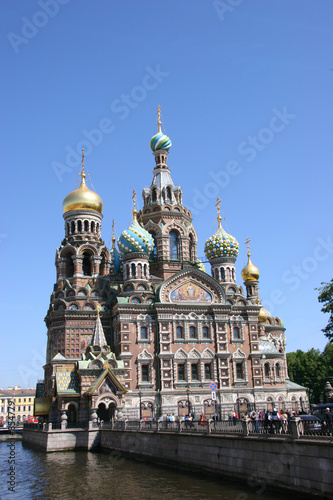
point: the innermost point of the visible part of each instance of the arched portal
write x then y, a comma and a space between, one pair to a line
106, 413
71, 414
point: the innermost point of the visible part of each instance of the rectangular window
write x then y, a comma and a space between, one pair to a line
181, 372
208, 371
236, 333
144, 333
194, 371
193, 332
179, 332
205, 332
145, 373
239, 371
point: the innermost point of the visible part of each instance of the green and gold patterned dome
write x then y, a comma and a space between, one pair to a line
221, 244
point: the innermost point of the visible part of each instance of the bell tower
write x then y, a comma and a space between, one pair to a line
83, 267
164, 215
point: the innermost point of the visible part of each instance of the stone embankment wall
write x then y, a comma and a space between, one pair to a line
62, 440
302, 465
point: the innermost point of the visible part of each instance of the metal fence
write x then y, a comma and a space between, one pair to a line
295, 427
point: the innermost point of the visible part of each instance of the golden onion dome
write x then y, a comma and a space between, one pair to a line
83, 198
262, 317
250, 271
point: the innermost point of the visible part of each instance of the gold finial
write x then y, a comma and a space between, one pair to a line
159, 118
113, 236
248, 241
83, 174
219, 218
98, 308
134, 211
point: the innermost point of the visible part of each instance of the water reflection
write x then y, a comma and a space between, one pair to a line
85, 475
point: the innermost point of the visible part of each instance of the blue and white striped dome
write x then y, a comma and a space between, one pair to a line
160, 141
135, 239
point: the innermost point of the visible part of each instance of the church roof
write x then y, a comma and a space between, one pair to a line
267, 347
98, 337
67, 383
293, 385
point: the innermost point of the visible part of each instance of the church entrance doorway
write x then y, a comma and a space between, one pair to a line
106, 413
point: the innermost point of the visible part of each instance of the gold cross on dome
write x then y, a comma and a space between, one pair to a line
248, 241
217, 204
134, 211
82, 165
159, 117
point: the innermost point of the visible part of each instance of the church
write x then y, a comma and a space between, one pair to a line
142, 330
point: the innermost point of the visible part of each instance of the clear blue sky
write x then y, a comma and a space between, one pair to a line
246, 95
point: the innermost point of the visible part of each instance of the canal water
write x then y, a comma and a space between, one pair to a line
87, 475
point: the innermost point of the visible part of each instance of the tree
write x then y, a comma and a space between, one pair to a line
326, 297
312, 369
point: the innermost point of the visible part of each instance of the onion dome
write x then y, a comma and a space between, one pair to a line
135, 238
83, 198
160, 140
250, 271
262, 317
221, 244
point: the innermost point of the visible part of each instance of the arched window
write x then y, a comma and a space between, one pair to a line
102, 267
93, 227
179, 332
68, 228
236, 332
267, 370
86, 264
69, 268
277, 370
144, 333
79, 226
133, 270
173, 245
72, 227
205, 332
153, 195
145, 270
86, 226
193, 332
222, 273
168, 193
97, 228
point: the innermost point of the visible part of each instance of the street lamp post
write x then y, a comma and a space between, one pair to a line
140, 396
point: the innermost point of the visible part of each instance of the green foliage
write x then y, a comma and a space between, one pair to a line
326, 297
312, 369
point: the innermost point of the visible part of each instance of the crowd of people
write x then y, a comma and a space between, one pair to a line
276, 421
